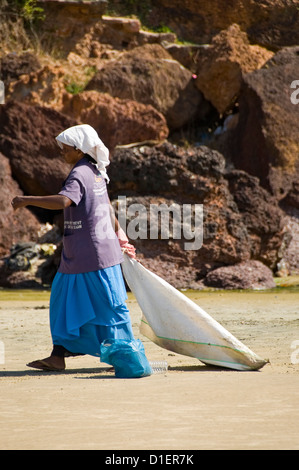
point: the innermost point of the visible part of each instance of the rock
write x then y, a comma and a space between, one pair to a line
270, 23
128, 25
263, 217
12, 66
149, 75
19, 226
21, 255
118, 121
27, 138
265, 141
82, 28
167, 169
189, 55
149, 37
292, 198
67, 24
30, 265
45, 87
167, 254
289, 250
10, 279
220, 67
149, 176
248, 275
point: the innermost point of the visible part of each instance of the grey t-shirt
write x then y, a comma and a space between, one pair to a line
89, 241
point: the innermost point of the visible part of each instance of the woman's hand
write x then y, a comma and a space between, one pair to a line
18, 202
126, 247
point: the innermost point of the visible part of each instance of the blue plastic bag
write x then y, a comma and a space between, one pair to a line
127, 357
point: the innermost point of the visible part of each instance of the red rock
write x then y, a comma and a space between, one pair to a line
27, 138
149, 75
117, 121
265, 141
16, 226
247, 275
44, 87
12, 66
220, 67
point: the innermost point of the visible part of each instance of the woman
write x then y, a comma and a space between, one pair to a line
87, 303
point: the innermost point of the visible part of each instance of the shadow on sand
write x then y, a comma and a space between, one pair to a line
105, 372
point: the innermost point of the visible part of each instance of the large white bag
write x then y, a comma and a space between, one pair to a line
174, 322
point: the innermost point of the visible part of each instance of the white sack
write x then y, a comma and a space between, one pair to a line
174, 322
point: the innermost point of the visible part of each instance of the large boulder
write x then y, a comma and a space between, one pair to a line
248, 275
118, 121
12, 66
220, 68
43, 87
260, 212
67, 24
27, 138
265, 141
149, 75
19, 226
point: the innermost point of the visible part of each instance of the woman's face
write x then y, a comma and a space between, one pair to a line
71, 155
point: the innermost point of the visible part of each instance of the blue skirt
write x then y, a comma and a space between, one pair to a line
87, 308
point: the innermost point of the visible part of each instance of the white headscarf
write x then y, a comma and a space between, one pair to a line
85, 138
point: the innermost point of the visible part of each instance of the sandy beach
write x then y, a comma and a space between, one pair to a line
191, 407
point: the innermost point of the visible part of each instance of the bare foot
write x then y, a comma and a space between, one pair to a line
55, 363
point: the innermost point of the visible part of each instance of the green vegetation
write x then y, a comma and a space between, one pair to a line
75, 85
74, 88
30, 11
18, 24
27, 9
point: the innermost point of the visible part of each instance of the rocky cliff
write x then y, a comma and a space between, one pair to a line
206, 124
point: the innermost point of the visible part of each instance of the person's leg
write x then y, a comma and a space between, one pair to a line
96, 298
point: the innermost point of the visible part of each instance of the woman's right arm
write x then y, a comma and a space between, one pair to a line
54, 202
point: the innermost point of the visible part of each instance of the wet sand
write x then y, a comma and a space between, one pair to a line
191, 407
